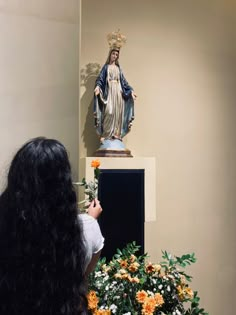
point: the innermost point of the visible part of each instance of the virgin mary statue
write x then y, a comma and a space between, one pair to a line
113, 102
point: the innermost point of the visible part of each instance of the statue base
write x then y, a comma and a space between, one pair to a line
112, 148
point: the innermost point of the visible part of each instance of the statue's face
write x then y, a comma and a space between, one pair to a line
114, 56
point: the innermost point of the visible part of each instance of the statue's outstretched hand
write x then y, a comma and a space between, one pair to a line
134, 96
97, 90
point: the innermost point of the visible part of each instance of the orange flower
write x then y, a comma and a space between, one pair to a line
150, 268
149, 306
123, 263
95, 163
134, 267
159, 299
141, 296
102, 312
92, 300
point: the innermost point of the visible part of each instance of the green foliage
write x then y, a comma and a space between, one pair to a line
118, 283
90, 190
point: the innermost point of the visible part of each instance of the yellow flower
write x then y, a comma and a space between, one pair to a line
141, 296
126, 276
118, 276
92, 300
184, 292
157, 268
189, 292
95, 163
149, 306
159, 299
106, 268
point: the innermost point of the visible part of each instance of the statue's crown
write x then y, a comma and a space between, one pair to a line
116, 40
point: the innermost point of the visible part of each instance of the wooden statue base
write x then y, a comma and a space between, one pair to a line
112, 153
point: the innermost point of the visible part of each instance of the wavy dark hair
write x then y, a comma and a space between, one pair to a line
41, 249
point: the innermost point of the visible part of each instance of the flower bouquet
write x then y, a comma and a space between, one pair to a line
90, 188
130, 285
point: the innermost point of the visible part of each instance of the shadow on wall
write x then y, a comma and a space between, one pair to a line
88, 77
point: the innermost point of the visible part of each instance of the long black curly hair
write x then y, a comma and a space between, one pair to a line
41, 249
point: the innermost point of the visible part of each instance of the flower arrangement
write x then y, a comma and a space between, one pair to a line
130, 285
91, 187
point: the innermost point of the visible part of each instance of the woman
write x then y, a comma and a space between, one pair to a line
42, 254
113, 101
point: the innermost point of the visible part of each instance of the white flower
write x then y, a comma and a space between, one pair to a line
168, 288
160, 286
113, 308
127, 313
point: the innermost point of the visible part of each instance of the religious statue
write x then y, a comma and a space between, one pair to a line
113, 102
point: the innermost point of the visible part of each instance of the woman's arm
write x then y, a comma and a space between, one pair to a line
93, 262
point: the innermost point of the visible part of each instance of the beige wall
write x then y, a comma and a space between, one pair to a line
39, 74
180, 58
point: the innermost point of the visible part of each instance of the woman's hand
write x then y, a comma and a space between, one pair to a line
134, 96
97, 90
95, 209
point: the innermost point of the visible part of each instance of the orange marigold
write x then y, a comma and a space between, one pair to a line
95, 163
141, 296
159, 299
92, 300
149, 306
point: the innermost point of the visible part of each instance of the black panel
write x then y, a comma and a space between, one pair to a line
121, 193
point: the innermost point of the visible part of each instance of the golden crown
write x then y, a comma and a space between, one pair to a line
116, 40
